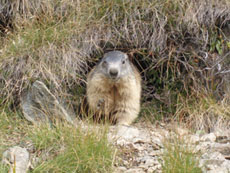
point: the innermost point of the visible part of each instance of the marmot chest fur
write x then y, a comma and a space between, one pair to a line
114, 89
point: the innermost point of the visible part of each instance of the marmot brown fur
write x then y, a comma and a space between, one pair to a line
114, 89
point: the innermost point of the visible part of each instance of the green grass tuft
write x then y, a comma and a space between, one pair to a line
4, 168
179, 158
72, 150
60, 148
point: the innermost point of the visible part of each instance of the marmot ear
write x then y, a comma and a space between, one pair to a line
130, 56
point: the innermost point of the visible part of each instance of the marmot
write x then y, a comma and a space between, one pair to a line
114, 89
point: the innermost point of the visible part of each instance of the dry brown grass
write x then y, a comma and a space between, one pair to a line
206, 113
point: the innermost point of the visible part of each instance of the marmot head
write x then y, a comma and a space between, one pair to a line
115, 65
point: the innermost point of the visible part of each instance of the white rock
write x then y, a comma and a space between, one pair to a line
203, 147
213, 156
120, 169
139, 147
127, 132
222, 148
157, 143
148, 161
214, 161
218, 170
156, 168
194, 139
17, 158
135, 170
222, 135
211, 137
226, 165
142, 138
156, 152
147, 148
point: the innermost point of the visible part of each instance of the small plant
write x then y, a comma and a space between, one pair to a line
4, 168
179, 157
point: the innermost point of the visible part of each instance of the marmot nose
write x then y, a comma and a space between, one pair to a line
113, 72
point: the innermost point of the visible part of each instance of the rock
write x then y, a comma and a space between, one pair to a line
135, 170
156, 152
226, 165
213, 161
156, 168
127, 132
120, 169
17, 158
143, 148
40, 105
124, 135
213, 156
213, 169
211, 137
148, 161
193, 139
224, 149
222, 139
222, 135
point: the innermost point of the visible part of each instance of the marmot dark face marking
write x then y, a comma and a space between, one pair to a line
115, 65
114, 88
